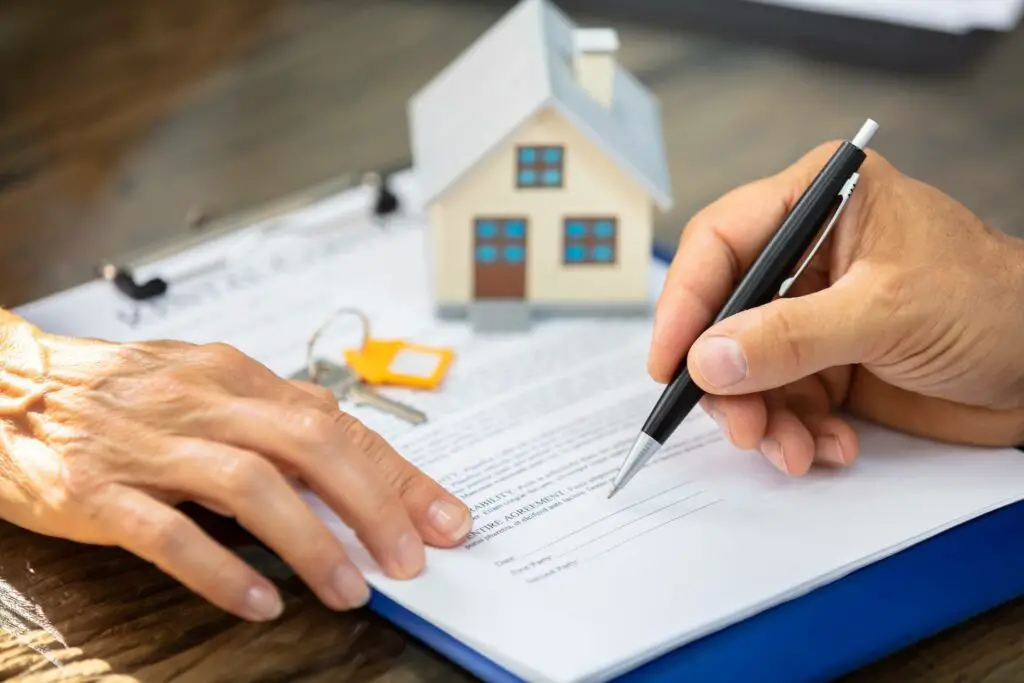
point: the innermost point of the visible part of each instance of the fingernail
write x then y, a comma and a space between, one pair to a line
829, 450
721, 361
720, 420
451, 520
772, 450
350, 586
263, 603
409, 554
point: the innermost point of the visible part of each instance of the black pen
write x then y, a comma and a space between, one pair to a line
767, 277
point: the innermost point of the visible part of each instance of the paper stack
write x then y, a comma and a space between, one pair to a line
947, 16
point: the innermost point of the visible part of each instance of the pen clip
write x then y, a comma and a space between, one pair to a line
844, 193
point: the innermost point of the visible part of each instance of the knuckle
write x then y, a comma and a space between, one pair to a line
827, 148
82, 474
781, 338
245, 475
314, 424
364, 438
161, 535
815, 158
401, 477
321, 395
221, 355
132, 356
404, 480
322, 550
168, 536
326, 395
874, 162
175, 384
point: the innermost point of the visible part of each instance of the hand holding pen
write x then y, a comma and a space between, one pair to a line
909, 315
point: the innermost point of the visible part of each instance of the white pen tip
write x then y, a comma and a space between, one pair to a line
613, 490
864, 135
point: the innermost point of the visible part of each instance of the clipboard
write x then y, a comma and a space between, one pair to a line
829, 632
203, 228
826, 633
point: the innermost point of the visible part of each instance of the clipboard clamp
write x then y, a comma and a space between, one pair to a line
844, 196
203, 226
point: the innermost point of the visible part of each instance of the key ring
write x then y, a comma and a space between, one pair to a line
311, 365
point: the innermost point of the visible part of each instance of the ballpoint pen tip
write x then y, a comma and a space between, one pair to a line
613, 490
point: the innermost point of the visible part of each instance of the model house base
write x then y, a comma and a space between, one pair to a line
541, 162
515, 316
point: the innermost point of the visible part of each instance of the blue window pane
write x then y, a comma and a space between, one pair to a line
604, 229
486, 254
551, 156
575, 253
527, 155
515, 254
602, 253
552, 177
486, 230
576, 230
515, 230
527, 178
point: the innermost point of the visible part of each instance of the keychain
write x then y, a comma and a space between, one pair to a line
392, 362
398, 363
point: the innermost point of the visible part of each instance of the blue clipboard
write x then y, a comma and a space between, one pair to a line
831, 631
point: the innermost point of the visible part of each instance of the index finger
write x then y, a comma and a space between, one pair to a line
716, 248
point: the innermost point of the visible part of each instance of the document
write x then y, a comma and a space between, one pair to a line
556, 581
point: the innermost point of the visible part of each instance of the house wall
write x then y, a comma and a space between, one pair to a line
592, 185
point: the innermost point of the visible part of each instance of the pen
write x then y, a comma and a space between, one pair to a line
768, 276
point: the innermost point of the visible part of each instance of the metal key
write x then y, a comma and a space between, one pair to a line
348, 388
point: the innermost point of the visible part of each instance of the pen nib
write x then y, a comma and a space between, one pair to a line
613, 490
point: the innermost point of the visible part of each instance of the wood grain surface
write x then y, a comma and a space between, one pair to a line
119, 119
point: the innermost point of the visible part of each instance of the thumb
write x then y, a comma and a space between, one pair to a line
786, 340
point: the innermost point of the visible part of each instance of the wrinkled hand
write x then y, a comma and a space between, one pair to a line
100, 441
910, 315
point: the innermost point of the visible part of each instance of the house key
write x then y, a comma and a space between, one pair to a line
347, 387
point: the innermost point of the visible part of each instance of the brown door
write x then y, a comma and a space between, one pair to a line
499, 258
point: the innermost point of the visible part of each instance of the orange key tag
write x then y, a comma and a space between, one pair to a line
398, 363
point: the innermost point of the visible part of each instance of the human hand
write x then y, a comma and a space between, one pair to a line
909, 315
99, 442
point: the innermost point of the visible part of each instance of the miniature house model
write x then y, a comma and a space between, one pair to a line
540, 162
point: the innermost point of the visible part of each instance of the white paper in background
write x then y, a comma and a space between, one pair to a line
558, 583
949, 16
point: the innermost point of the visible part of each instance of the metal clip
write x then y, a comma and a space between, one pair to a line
845, 194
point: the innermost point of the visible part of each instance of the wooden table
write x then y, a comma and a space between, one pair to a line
121, 120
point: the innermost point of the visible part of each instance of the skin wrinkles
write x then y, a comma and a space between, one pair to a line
899, 318
117, 436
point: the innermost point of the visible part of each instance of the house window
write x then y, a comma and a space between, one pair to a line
539, 166
590, 240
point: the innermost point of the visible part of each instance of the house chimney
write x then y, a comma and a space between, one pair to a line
594, 61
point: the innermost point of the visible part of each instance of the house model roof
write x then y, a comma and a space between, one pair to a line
522, 64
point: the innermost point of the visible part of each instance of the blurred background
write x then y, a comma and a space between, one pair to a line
120, 119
